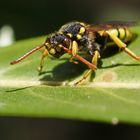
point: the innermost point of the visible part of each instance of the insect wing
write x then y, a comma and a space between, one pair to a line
111, 25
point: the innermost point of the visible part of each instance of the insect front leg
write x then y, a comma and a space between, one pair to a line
95, 58
74, 48
122, 45
45, 53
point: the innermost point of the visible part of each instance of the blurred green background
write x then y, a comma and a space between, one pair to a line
35, 18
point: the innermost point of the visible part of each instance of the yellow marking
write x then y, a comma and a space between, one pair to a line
52, 51
114, 32
60, 32
48, 45
74, 48
101, 33
82, 30
79, 36
83, 24
128, 35
69, 34
119, 43
122, 33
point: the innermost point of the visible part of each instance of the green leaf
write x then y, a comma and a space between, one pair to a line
112, 96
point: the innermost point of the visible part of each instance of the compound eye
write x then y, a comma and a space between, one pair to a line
66, 42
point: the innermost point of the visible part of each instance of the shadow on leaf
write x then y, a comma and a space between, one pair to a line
64, 72
119, 64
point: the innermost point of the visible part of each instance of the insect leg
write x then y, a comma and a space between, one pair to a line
94, 61
122, 45
73, 61
74, 48
92, 66
45, 53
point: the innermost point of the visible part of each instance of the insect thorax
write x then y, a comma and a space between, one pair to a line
76, 31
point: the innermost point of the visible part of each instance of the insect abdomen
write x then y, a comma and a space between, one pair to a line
122, 33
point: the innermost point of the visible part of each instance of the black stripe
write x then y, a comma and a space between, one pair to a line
125, 36
118, 32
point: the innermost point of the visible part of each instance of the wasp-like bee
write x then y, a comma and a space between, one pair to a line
74, 37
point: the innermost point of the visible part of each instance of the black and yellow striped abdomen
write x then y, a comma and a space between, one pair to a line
123, 34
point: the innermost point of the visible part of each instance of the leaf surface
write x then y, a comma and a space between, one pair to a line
111, 95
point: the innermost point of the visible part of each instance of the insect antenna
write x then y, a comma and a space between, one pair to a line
27, 54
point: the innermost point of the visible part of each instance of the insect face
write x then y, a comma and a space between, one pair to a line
54, 42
